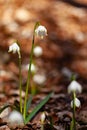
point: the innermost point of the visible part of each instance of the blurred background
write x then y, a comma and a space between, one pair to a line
65, 47
64, 54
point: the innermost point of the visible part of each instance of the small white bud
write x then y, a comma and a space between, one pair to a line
42, 117
77, 103
33, 68
41, 31
14, 48
38, 51
74, 87
15, 118
39, 79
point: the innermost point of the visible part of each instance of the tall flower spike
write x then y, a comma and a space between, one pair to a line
41, 31
74, 87
77, 103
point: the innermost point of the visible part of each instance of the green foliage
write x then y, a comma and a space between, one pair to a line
37, 108
29, 103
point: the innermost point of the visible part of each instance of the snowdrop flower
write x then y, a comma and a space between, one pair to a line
38, 51
15, 118
43, 117
39, 79
14, 48
77, 103
41, 31
74, 87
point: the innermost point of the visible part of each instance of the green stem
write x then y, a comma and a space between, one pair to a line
73, 77
42, 126
74, 107
71, 125
20, 82
29, 72
28, 80
33, 89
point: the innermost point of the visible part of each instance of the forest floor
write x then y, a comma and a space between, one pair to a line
64, 53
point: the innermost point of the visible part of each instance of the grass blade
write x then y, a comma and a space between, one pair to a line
37, 108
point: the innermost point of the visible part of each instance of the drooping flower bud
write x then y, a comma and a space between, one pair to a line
14, 48
77, 103
41, 31
74, 87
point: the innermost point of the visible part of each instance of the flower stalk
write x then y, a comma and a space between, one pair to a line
73, 122
20, 82
33, 89
74, 107
15, 48
40, 31
29, 71
74, 88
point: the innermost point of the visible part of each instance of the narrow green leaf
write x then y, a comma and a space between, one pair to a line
37, 108
4, 107
29, 103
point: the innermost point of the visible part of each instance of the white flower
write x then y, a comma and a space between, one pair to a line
39, 79
43, 117
14, 48
15, 118
41, 31
38, 51
77, 103
74, 87
33, 68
